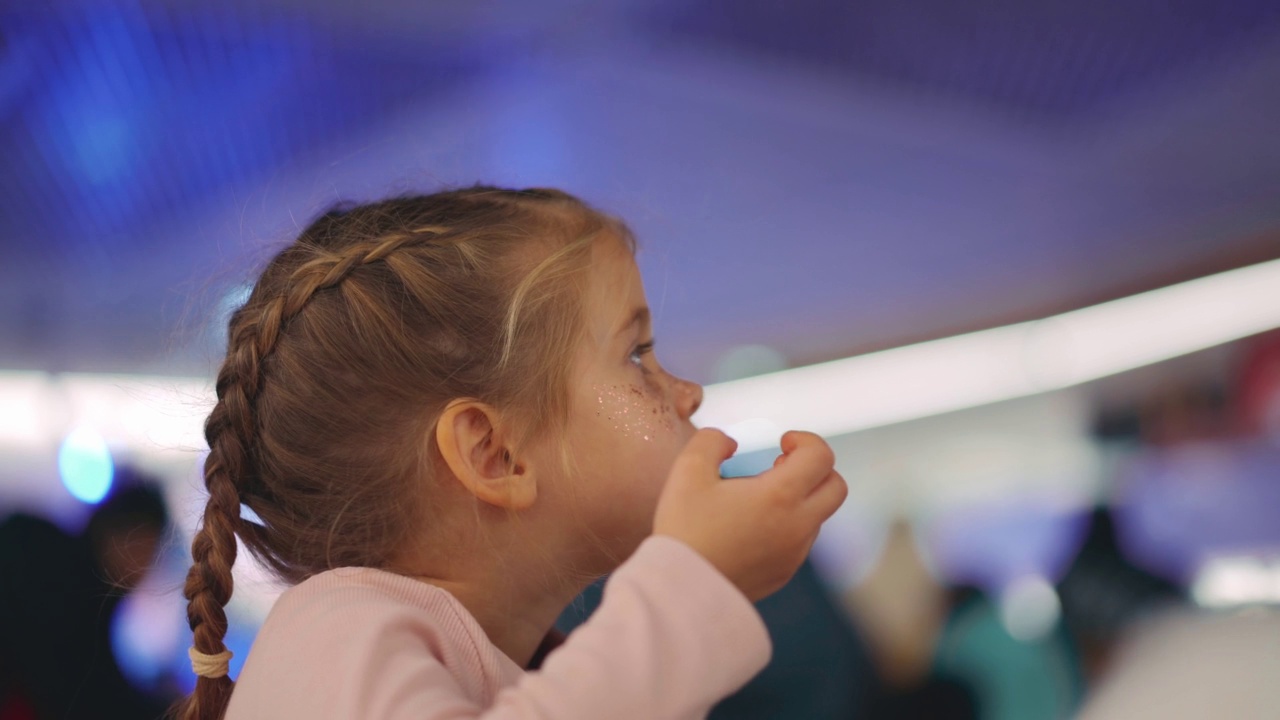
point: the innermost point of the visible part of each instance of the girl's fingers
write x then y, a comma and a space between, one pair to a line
827, 497
704, 453
806, 461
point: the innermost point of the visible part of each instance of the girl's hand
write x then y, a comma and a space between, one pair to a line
756, 530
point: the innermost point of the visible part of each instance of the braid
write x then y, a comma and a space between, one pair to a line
229, 431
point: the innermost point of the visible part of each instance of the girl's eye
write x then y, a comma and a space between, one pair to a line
637, 354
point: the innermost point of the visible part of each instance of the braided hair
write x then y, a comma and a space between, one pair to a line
353, 340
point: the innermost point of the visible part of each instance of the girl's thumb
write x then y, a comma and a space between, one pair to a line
702, 455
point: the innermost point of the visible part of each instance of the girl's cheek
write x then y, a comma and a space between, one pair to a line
641, 412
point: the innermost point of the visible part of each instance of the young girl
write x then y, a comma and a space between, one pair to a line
447, 415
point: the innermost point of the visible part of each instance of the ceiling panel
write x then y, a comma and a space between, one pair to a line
1051, 60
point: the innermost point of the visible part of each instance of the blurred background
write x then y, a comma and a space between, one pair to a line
1019, 261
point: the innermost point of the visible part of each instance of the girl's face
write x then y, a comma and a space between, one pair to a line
629, 418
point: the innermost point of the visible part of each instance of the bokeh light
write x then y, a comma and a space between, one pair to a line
84, 463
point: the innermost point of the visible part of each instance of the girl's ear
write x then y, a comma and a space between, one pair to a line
472, 443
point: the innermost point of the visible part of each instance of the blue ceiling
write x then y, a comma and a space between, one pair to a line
114, 119
1057, 60
822, 177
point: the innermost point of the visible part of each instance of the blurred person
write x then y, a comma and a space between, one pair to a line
902, 609
57, 600
1149, 652
1103, 594
447, 418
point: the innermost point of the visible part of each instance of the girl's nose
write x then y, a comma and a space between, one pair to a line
688, 397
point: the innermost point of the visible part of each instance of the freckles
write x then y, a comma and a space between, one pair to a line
634, 411
665, 418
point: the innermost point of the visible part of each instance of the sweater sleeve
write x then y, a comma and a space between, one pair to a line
671, 638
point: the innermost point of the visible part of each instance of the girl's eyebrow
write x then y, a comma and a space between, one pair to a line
639, 316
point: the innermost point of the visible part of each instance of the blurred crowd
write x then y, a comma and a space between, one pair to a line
58, 600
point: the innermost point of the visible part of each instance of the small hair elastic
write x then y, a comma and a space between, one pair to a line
209, 666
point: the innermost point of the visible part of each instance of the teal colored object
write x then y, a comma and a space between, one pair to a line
84, 463
1011, 679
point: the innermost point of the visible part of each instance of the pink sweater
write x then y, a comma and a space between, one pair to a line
671, 638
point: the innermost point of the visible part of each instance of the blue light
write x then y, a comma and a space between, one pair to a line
133, 646
84, 462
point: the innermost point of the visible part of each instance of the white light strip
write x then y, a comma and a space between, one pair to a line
140, 412
24, 408
832, 398
964, 371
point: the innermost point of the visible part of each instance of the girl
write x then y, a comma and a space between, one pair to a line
446, 414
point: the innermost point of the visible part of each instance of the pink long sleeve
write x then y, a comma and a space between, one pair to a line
670, 639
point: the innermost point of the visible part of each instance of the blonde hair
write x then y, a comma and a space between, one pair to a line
353, 340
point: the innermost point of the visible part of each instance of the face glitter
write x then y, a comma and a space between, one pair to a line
634, 410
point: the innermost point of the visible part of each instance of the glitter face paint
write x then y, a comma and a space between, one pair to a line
636, 411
